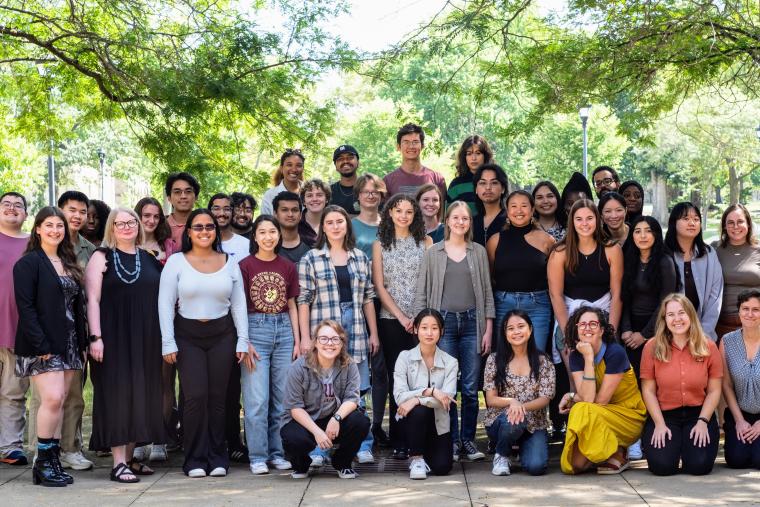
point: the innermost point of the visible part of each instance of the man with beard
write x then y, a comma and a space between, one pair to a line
287, 211
491, 187
346, 160
605, 180
234, 245
243, 206
182, 189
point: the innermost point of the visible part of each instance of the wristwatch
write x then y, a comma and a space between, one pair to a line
337, 417
94, 338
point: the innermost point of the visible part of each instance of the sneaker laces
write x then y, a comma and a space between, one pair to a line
469, 447
420, 463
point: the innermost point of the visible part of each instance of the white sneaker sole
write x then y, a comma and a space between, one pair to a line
417, 477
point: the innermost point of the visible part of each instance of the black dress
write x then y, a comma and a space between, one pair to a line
127, 384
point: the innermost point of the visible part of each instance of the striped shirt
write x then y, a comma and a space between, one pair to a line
319, 289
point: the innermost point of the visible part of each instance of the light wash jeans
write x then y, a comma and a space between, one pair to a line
537, 305
264, 387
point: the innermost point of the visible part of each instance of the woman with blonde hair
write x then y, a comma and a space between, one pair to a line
321, 401
287, 177
121, 282
681, 377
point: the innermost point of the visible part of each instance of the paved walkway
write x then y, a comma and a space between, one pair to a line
469, 484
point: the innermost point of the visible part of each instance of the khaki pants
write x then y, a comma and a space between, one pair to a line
12, 404
73, 409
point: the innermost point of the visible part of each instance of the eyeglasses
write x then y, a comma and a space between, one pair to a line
592, 325
129, 224
203, 227
739, 223
411, 143
244, 209
13, 205
329, 340
178, 191
225, 209
369, 193
603, 182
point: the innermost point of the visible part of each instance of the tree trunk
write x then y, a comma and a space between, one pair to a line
718, 197
733, 182
659, 198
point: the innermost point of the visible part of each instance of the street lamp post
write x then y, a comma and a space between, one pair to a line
757, 132
102, 160
43, 72
584, 112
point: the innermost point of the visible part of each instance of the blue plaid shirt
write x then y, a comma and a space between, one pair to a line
319, 289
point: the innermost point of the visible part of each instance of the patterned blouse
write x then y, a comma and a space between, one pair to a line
400, 267
744, 373
525, 389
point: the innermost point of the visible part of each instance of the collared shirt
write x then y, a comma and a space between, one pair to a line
176, 229
682, 381
83, 250
318, 284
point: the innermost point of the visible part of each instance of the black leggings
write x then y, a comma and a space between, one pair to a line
379, 379
738, 453
298, 442
232, 410
424, 440
696, 460
395, 339
204, 361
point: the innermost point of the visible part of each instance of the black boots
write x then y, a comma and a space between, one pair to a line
45, 469
59, 467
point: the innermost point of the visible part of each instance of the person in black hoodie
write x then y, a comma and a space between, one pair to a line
51, 336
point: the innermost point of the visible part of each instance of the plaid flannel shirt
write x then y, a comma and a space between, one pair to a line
319, 289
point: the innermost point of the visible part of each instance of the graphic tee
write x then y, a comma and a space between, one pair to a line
269, 284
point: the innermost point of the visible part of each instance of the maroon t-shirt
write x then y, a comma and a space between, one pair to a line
10, 251
269, 284
400, 181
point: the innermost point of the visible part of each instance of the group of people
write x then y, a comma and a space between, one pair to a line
397, 289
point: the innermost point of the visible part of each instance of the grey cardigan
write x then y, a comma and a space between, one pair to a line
411, 377
304, 388
430, 282
708, 277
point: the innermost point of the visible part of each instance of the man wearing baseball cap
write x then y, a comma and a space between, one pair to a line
346, 160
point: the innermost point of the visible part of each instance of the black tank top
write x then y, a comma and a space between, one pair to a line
592, 276
518, 266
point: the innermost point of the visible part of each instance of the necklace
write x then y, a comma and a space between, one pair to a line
119, 268
343, 192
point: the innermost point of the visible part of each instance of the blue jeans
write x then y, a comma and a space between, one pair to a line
534, 447
536, 304
264, 387
460, 340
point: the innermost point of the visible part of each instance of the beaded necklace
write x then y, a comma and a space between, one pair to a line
118, 266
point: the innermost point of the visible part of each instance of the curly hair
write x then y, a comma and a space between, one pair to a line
343, 359
386, 232
571, 329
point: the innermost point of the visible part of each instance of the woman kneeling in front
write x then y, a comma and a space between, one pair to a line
607, 413
424, 386
321, 396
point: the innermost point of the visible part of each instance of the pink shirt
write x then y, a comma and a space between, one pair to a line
177, 230
10, 251
400, 181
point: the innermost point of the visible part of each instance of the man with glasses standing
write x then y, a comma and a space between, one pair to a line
346, 160
234, 245
411, 174
605, 180
182, 189
243, 206
12, 388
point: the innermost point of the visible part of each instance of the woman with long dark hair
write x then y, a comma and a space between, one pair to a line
396, 259
473, 153
549, 215
519, 383
94, 228
204, 325
697, 263
612, 207
158, 238
288, 176
51, 336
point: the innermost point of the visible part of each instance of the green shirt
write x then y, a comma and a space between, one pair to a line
83, 250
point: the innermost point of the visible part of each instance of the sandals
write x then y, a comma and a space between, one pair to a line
119, 471
140, 468
612, 467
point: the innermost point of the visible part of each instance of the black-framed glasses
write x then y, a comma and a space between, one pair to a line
203, 227
592, 325
603, 182
13, 205
129, 224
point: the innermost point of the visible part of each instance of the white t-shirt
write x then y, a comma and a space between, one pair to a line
238, 248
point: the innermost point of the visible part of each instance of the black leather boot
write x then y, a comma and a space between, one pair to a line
59, 467
44, 472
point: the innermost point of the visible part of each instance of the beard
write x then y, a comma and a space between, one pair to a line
241, 227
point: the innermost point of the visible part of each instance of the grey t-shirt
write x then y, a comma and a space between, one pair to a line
329, 403
458, 292
294, 254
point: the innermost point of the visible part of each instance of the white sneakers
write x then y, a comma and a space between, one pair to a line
141, 453
158, 453
281, 464
365, 457
317, 461
634, 451
196, 473
347, 473
259, 468
218, 472
500, 465
418, 469
75, 461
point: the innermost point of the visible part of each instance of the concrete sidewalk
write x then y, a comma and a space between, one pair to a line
468, 484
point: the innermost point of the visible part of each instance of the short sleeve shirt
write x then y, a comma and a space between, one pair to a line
682, 381
400, 181
11, 250
613, 354
269, 284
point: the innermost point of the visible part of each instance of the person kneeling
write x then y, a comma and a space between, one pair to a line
519, 383
321, 397
424, 386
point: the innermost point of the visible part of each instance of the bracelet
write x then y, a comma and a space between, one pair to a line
589, 378
703, 419
433, 391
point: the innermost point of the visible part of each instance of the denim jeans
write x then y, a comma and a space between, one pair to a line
536, 304
264, 387
460, 340
534, 447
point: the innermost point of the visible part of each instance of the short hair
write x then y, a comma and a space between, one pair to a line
254, 247
571, 329
238, 198
219, 195
746, 295
343, 359
102, 210
316, 184
501, 176
14, 194
109, 236
184, 176
73, 195
427, 187
454, 205
365, 178
482, 144
410, 128
606, 168
285, 195
187, 245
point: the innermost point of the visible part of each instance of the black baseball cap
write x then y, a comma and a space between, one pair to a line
344, 148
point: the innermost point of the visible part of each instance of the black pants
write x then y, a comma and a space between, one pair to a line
298, 442
204, 361
562, 385
232, 410
638, 322
424, 440
169, 403
696, 460
379, 379
738, 453
395, 339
